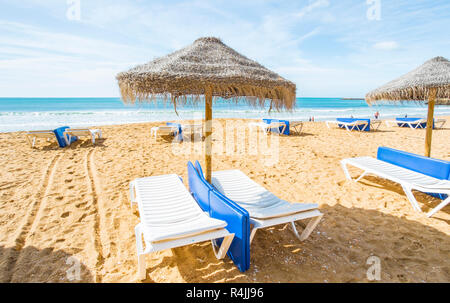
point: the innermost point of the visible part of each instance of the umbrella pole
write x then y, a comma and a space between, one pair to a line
208, 133
430, 124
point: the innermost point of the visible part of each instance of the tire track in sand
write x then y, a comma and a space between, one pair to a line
33, 215
100, 215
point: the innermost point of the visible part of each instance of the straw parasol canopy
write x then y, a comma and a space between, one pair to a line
207, 63
206, 68
416, 85
429, 81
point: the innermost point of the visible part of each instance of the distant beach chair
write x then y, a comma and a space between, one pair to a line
56, 134
82, 132
32, 136
268, 127
416, 123
170, 217
166, 130
297, 125
264, 208
192, 130
411, 171
351, 124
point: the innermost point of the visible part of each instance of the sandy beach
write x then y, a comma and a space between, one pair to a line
60, 206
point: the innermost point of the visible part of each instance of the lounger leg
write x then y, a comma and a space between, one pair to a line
439, 207
34, 142
140, 253
345, 168
222, 252
411, 198
252, 234
362, 176
309, 228
93, 138
132, 195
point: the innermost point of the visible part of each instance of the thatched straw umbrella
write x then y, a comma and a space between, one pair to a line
429, 81
206, 68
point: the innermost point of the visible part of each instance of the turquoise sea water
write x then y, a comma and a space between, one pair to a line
19, 114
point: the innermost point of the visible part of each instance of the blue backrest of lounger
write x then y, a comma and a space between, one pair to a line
351, 120
180, 135
59, 133
219, 207
436, 168
286, 130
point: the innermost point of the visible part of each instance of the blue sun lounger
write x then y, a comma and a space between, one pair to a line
219, 207
411, 171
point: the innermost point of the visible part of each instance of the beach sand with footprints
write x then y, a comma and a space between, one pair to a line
63, 207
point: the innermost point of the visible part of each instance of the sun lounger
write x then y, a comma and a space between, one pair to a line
170, 217
222, 208
283, 126
32, 136
264, 208
82, 132
416, 123
411, 171
166, 130
56, 134
268, 127
361, 125
297, 125
192, 129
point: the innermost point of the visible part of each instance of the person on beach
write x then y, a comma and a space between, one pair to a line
377, 115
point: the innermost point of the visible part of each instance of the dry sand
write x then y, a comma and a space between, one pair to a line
58, 206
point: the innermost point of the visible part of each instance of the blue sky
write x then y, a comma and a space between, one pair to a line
329, 48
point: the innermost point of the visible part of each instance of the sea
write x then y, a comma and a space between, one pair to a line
21, 114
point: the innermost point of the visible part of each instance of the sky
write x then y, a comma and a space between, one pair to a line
328, 48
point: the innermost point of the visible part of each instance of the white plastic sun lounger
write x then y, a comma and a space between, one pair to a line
264, 208
349, 126
32, 136
164, 130
440, 122
82, 132
375, 124
170, 217
265, 127
408, 179
192, 129
297, 125
417, 124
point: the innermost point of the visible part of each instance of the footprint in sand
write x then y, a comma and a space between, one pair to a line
66, 214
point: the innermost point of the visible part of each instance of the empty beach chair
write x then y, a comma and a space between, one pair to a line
82, 132
56, 134
32, 136
351, 124
297, 125
279, 127
170, 217
165, 130
439, 123
411, 171
264, 208
192, 130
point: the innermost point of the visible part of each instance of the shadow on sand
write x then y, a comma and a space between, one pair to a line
337, 251
32, 264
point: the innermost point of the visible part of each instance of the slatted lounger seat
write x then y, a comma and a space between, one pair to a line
82, 132
170, 217
361, 125
412, 172
265, 209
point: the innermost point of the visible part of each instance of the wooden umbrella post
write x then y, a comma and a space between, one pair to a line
208, 133
430, 124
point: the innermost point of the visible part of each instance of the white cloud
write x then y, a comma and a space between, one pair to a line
386, 45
